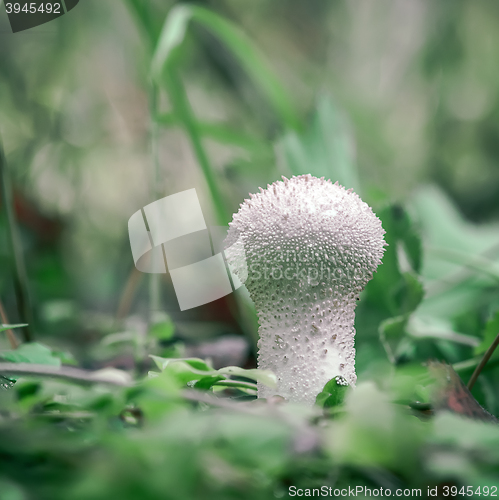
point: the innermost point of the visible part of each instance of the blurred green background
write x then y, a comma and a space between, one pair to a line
397, 99
120, 103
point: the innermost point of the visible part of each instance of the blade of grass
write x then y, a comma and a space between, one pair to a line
443, 284
173, 34
468, 364
218, 132
477, 262
156, 191
183, 111
141, 12
20, 275
184, 115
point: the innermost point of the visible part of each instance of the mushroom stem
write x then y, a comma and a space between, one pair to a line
305, 249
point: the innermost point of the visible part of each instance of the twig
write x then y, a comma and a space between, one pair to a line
133, 281
65, 372
9, 333
485, 358
20, 275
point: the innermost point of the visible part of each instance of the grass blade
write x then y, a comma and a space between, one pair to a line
20, 276
186, 116
235, 40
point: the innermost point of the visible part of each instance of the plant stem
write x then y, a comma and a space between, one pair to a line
133, 281
20, 275
156, 190
485, 358
186, 116
9, 333
66, 372
141, 12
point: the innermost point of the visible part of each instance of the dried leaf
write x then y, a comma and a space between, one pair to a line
451, 394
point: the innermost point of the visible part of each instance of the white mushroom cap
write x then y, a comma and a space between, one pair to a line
308, 249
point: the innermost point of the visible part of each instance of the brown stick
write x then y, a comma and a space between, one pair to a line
482, 363
133, 281
10, 333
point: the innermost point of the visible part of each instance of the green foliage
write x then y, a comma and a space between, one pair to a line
162, 330
193, 369
146, 440
173, 35
396, 290
324, 149
188, 430
332, 395
490, 333
31, 353
4, 328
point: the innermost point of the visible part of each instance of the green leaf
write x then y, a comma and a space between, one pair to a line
66, 357
10, 490
188, 369
31, 353
333, 393
325, 148
157, 395
396, 288
462, 263
7, 382
444, 227
489, 335
428, 327
391, 332
245, 386
411, 292
207, 382
266, 377
4, 328
195, 363
162, 330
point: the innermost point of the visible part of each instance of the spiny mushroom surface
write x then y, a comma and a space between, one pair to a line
305, 248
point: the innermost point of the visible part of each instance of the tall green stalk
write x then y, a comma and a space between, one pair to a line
156, 190
185, 115
20, 275
165, 72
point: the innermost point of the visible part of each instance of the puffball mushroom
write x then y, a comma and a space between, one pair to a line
305, 248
